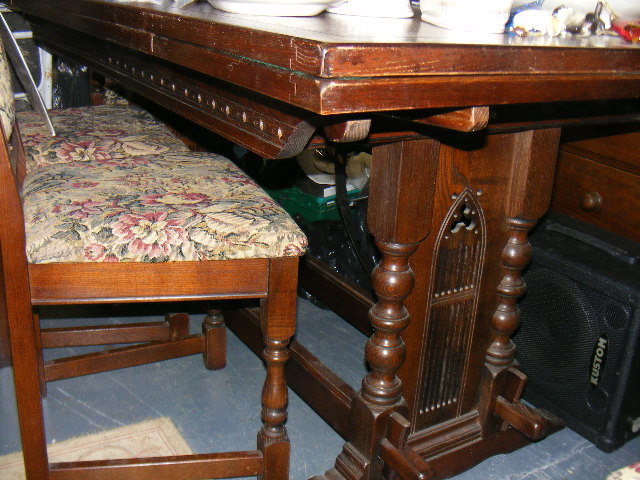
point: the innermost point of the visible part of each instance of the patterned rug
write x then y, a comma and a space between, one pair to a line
150, 438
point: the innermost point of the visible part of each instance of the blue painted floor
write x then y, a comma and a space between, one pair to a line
204, 406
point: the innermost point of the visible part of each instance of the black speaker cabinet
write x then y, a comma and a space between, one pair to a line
579, 338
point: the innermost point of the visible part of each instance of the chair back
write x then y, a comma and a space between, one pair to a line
7, 104
13, 256
11, 137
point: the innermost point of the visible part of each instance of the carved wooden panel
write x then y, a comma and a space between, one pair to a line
268, 128
457, 265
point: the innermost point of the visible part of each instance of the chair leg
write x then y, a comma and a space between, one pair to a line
278, 320
178, 325
273, 440
27, 380
5, 346
215, 340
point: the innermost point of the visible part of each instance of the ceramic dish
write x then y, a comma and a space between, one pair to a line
277, 8
374, 8
488, 16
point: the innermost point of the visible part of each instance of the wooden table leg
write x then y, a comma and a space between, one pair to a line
530, 193
398, 224
461, 379
461, 388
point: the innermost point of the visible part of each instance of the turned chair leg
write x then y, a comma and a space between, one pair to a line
273, 440
215, 340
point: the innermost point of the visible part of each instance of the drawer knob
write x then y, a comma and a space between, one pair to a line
591, 202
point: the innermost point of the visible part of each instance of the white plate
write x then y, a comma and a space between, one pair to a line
374, 8
277, 8
488, 16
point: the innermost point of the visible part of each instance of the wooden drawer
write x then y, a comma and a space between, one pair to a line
598, 193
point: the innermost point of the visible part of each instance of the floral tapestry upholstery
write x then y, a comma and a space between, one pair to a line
111, 134
176, 207
7, 107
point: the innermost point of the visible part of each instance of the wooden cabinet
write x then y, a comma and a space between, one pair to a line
598, 178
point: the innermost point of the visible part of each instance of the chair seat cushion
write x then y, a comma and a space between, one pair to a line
104, 134
176, 207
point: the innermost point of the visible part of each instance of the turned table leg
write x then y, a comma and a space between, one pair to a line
530, 193
466, 237
400, 173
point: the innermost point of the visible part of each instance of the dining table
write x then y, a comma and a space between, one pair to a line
463, 130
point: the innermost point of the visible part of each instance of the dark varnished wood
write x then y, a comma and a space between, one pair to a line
450, 212
301, 43
277, 323
215, 347
123, 357
22, 327
5, 347
598, 178
216, 465
331, 397
614, 145
176, 326
273, 130
610, 116
328, 47
464, 120
97, 282
528, 195
347, 131
154, 341
329, 65
398, 229
595, 196
272, 280
491, 191
401, 461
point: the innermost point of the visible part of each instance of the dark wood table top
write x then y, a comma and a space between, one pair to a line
332, 64
271, 83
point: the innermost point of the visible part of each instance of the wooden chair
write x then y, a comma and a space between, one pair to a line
112, 135
107, 135
148, 228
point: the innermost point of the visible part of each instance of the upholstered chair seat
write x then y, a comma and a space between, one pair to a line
155, 208
105, 134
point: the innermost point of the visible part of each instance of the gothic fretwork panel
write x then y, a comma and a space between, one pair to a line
458, 258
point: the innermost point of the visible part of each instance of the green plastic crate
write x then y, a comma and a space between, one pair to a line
310, 207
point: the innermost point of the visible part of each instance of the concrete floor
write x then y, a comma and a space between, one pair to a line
204, 407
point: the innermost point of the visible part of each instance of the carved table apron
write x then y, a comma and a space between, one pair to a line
450, 207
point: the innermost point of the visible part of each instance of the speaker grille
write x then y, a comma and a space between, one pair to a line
561, 326
579, 339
